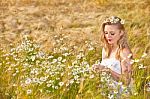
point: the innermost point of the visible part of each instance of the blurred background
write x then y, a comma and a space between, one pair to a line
80, 20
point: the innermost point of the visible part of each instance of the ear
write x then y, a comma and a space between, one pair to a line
121, 32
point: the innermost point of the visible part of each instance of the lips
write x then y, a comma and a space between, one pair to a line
109, 40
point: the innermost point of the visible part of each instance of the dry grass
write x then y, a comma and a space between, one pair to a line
78, 20
42, 19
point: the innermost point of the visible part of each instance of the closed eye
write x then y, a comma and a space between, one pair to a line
105, 32
112, 33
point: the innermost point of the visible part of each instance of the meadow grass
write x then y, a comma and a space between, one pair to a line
48, 48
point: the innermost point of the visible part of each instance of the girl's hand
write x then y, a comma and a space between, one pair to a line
107, 70
97, 67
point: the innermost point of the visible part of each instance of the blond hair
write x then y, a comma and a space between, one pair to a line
122, 42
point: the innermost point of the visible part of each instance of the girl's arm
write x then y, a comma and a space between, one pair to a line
126, 65
99, 67
115, 75
125, 76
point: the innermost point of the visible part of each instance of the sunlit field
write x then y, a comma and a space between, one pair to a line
48, 48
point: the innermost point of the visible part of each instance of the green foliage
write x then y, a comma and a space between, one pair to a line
28, 72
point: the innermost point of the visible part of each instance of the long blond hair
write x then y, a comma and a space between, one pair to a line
122, 42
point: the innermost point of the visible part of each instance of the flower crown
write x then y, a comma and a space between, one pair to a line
114, 19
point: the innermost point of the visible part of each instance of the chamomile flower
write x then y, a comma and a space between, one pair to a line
29, 91
61, 84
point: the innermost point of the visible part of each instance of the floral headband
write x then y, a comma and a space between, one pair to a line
114, 19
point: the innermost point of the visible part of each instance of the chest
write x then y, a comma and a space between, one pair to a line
113, 54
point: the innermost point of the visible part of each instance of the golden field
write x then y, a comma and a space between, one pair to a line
64, 35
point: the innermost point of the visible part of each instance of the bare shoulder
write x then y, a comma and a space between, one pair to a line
126, 53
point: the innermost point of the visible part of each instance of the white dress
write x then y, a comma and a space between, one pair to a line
118, 87
113, 64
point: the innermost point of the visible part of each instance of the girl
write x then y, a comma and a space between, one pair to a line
116, 54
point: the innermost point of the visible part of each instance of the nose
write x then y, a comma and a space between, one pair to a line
109, 35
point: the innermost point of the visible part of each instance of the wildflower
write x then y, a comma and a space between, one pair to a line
76, 77
102, 79
129, 56
47, 71
61, 39
7, 58
124, 87
9, 69
110, 96
91, 48
71, 81
144, 55
29, 91
7, 94
48, 91
41, 54
61, 84
28, 81
56, 87
74, 73
14, 74
35, 80
135, 93
66, 54
55, 36
114, 19
41, 90
136, 60
142, 66
120, 83
62, 74
66, 36
77, 82
67, 84
48, 85
115, 91
57, 78
54, 61
17, 71
49, 57
25, 64
69, 74
91, 76
64, 60
43, 79
32, 58
50, 81
112, 85
122, 21
148, 83
59, 58
148, 89
14, 85
70, 67
103, 73
80, 56
57, 41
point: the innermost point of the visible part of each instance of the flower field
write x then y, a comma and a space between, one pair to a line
48, 48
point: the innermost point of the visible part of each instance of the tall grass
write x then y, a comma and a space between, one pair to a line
48, 47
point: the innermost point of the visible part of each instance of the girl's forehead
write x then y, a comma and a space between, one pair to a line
111, 27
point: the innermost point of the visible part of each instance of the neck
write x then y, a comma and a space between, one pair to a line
114, 46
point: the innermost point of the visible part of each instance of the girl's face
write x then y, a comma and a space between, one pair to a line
112, 34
